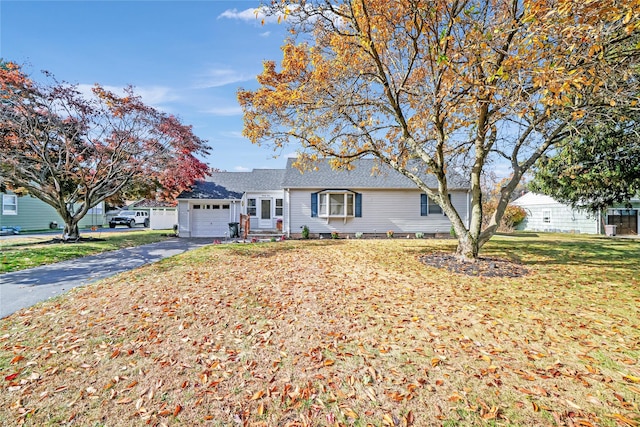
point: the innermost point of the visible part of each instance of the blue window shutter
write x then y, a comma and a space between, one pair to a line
314, 204
358, 205
424, 204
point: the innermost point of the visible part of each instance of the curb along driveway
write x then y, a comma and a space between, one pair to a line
21, 289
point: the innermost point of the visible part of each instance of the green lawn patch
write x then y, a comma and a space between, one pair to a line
19, 253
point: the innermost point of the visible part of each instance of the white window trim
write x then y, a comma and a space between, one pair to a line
345, 213
254, 207
431, 202
13, 203
546, 219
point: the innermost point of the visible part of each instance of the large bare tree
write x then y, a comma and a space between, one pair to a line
457, 84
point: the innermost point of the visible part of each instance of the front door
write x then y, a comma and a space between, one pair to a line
264, 220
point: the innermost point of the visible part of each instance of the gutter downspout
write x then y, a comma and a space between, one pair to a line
288, 210
468, 208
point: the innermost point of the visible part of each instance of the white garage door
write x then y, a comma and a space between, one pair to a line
209, 220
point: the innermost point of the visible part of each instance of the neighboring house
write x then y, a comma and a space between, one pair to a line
626, 219
546, 214
31, 214
368, 199
162, 215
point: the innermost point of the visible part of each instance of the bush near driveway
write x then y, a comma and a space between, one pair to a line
337, 332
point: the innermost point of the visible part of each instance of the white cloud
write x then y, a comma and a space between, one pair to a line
253, 14
242, 169
151, 95
232, 134
217, 77
265, 34
233, 110
250, 15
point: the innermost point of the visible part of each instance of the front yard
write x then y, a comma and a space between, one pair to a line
344, 332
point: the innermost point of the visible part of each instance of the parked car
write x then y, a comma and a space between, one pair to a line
130, 219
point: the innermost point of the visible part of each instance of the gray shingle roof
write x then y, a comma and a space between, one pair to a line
147, 203
210, 190
232, 185
362, 176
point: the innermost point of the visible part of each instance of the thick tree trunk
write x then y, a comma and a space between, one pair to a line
71, 231
468, 248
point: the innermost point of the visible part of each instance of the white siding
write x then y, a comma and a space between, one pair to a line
563, 219
184, 227
162, 218
382, 210
273, 195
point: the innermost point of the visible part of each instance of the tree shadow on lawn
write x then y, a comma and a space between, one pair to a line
592, 251
510, 258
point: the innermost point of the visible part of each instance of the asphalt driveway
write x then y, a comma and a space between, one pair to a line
21, 289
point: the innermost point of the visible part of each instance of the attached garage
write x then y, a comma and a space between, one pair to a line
207, 209
210, 220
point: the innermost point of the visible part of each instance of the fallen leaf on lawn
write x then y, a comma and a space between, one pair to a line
594, 400
16, 359
573, 405
177, 410
371, 394
257, 395
350, 413
387, 420
410, 418
261, 409
624, 420
631, 378
591, 369
455, 397
12, 376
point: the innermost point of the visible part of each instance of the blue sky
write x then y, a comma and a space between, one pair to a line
187, 58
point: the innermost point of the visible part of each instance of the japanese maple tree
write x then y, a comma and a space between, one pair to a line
458, 85
73, 151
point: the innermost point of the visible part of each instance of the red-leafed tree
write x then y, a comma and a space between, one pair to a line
73, 151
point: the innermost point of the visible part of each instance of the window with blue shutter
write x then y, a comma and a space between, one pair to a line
358, 205
424, 204
314, 204
428, 206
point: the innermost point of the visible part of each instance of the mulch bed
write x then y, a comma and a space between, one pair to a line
484, 267
78, 240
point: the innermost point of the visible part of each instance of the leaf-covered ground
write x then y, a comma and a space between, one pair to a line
337, 333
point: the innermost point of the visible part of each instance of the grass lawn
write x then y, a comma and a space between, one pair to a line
19, 253
337, 333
